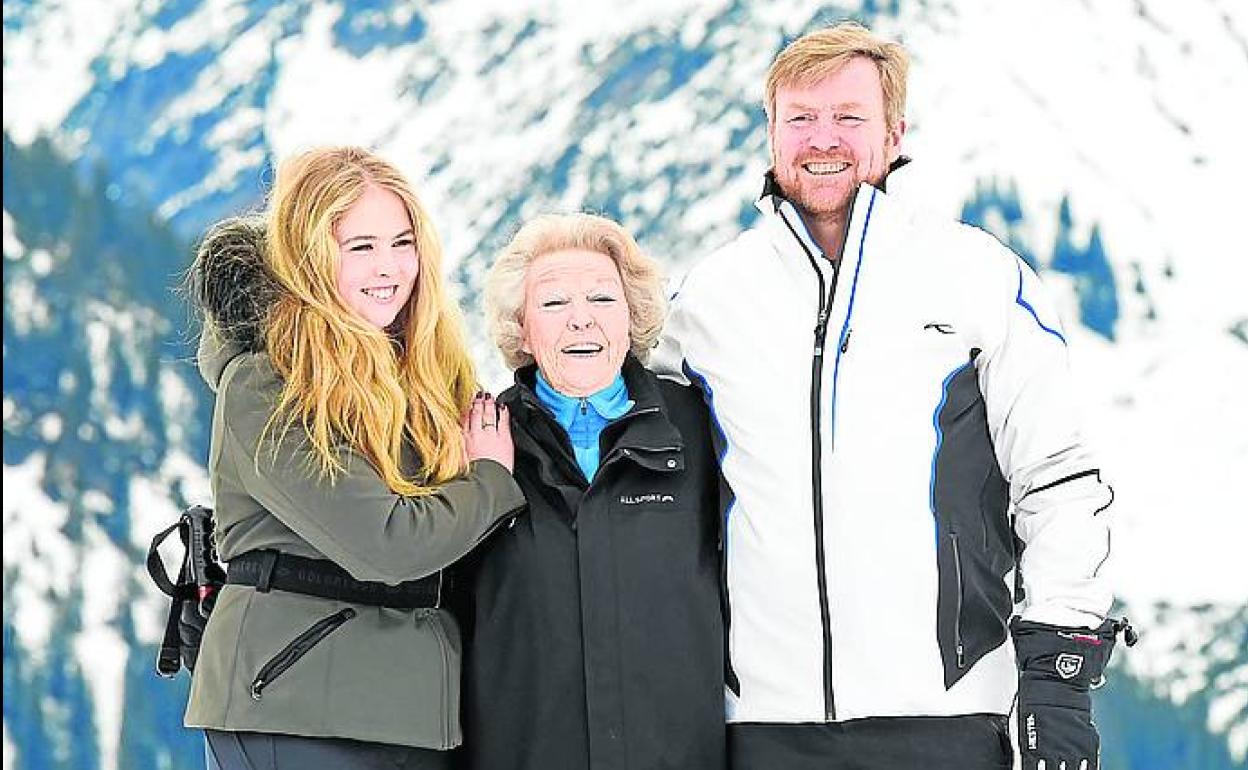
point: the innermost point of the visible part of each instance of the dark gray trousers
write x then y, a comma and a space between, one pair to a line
265, 751
971, 742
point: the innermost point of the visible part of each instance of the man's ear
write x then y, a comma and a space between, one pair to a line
895, 135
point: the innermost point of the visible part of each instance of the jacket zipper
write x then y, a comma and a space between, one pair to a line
292, 652
570, 457
636, 450
447, 682
816, 444
825, 614
958, 648
627, 451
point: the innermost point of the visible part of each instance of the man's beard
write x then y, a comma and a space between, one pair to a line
821, 204
815, 200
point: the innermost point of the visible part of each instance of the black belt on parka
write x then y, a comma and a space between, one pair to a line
272, 570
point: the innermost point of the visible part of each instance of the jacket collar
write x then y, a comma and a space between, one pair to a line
773, 203
215, 352
644, 433
784, 227
610, 403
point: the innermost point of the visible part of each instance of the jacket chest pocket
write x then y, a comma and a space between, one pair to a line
631, 476
922, 339
296, 649
640, 501
641, 491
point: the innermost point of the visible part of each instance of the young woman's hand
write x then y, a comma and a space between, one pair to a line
487, 432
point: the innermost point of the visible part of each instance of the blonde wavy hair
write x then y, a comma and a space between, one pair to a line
816, 55
346, 382
505, 290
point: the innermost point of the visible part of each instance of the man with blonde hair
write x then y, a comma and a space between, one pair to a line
897, 424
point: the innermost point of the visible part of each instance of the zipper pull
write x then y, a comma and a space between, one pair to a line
584, 406
821, 331
961, 651
845, 343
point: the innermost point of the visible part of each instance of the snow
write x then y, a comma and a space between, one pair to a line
1227, 707
1180, 502
326, 96
50, 426
1133, 127
176, 401
13, 248
212, 20
28, 310
37, 550
100, 649
1139, 129
1176, 653
47, 64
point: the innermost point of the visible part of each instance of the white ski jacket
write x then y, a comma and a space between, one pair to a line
887, 429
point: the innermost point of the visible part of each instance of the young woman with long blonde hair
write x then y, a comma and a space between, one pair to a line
350, 463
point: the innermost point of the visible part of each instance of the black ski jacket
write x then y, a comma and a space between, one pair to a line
593, 625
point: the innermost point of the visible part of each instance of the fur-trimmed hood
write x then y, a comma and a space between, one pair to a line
233, 290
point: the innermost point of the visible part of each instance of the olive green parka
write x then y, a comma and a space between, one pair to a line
330, 668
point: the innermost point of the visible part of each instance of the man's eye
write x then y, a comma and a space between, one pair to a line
602, 299
553, 303
800, 119
850, 119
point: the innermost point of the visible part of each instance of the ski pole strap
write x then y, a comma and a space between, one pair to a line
192, 594
269, 570
169, 659
156, 567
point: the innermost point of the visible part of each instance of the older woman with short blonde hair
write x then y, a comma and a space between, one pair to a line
642, 279
593, 629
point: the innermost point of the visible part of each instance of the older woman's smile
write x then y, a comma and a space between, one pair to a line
584, 349
576, 320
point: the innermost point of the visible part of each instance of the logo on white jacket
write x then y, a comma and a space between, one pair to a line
653, 497
1068, 665
942, 328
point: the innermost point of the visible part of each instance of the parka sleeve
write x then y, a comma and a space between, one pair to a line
355, 520
668, 358
1057, 492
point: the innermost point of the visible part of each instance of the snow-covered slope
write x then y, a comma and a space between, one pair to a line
1100, 139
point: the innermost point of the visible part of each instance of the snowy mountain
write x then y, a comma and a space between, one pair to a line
1099, 138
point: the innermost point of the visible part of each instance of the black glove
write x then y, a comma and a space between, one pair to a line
1057, 667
